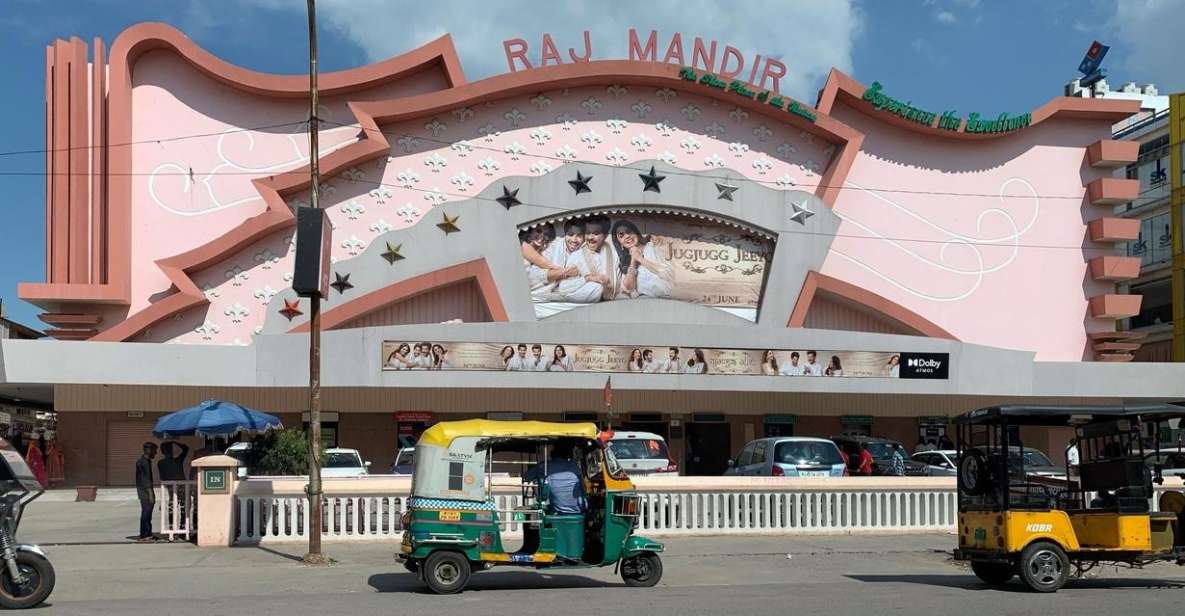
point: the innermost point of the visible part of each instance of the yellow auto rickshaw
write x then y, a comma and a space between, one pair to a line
1038, 528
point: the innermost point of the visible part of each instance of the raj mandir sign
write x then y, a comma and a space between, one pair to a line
709, 56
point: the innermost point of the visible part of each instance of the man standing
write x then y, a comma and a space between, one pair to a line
144, 491
864, 464
812, 368
172, 468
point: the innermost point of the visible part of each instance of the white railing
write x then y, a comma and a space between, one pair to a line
790, 512
276, 511
178, 506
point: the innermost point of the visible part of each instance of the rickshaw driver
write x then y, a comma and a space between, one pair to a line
563, 481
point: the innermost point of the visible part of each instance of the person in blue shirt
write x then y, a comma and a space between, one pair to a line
563, 481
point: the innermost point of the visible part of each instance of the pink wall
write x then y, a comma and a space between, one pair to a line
1007, 271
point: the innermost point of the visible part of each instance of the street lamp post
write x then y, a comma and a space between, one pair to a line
314, 555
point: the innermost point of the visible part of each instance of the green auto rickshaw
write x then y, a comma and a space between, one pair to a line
454, 524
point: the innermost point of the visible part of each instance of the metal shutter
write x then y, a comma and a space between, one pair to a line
125, 443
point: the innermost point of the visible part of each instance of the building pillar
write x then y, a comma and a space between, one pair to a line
217, 483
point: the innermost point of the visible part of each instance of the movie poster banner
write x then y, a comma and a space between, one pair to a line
613, 256
536, 357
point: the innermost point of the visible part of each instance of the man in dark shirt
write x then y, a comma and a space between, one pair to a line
144, 490
171, 467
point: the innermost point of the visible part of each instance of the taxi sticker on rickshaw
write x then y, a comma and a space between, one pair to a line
450, 516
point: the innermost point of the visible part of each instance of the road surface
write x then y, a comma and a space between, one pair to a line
764, 575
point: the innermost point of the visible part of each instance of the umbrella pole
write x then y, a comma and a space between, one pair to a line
314, 556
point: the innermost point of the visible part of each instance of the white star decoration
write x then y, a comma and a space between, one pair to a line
801, 212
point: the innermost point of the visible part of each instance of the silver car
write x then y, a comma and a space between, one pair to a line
939, 462
788, 456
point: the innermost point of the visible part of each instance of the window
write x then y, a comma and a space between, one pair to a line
456, 476
1157, 305
1155, 242
639, 449
759, 453
807, 453
746, 455
341, 459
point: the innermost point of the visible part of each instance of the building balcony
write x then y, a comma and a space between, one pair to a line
1111, 267
1112, 191
1111, 153
1109, 229
1114, 306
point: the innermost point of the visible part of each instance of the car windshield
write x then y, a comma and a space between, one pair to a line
339, 459
639, 449
405, 458
807, 452
881, 451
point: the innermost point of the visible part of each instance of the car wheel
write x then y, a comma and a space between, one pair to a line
1044, 566
994, 574
446, 572
641, 571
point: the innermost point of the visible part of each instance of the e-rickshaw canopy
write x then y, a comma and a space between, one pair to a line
1067, 415
452, 456
443, 433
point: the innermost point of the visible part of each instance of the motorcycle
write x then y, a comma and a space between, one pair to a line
26, 575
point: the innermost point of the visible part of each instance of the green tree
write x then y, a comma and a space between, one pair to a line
280, 452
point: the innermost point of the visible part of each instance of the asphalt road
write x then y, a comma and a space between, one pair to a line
764, 575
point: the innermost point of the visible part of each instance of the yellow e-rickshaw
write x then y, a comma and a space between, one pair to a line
1012, 523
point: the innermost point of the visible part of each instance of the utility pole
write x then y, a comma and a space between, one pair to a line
314, 556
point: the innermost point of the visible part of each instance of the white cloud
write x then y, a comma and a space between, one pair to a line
945, 17
809, 37
927, 51
1150, 32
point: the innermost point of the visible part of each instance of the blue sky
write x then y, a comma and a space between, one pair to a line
966, 55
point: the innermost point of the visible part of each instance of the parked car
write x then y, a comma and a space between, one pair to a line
939, 462
789, 456
882, 454
342, 462
404, 461
336, 462
642, 453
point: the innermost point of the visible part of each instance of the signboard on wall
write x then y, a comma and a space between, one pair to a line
536, 357
642, 255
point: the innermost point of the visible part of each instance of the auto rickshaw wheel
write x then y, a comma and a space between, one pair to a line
445, 572
1043, 566
641, 571
993, 573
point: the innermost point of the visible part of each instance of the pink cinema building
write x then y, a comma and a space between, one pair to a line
741, 263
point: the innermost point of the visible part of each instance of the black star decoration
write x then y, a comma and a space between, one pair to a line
650, 181
509, 198
580, 184
726, 191
341, 283
391, 254
801, 212
449, 224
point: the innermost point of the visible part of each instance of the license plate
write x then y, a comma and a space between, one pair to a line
813, 473
450, 516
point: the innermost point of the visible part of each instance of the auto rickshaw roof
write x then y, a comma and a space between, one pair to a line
1066, 415
443, 433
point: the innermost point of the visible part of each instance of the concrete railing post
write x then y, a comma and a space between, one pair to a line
216, 487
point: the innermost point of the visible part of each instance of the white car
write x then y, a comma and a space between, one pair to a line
341, 462
642, 453
337, 462
939, 462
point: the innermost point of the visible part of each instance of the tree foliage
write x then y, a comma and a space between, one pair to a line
280, 452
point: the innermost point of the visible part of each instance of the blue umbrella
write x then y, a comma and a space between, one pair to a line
214, 418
